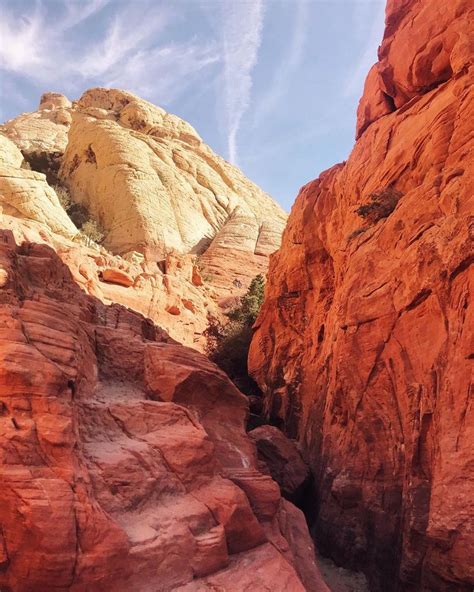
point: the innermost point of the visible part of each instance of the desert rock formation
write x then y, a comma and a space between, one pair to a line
364, 345
184, 230
280, 457
172, 293
125, 463
155, 186
25, 194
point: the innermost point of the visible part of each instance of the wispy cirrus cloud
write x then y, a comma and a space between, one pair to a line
127, 35
164, 73
241, 27
34, 41
280, 85
121, 44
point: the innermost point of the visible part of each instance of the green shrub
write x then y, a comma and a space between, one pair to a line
64, 197
381, 205
92, 232
228, 344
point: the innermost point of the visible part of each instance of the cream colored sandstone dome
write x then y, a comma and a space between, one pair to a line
153, 183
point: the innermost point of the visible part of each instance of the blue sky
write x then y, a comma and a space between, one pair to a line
271, 85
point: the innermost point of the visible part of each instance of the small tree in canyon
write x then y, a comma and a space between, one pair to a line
381, 205
228, 344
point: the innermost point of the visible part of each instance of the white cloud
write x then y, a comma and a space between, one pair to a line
241, 34
122, 47
163, 73
128, 34
280, 85
32, 44
21, 41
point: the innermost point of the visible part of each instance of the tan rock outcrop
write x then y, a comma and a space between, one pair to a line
152, 290
155, 186
26, 194
364, 343
42, 131
161, 195
125, 463
236, 253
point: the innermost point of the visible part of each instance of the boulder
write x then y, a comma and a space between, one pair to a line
112, 275
283, 460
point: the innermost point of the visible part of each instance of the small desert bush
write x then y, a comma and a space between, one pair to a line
64, 197
381, 205
228, 344
92, 232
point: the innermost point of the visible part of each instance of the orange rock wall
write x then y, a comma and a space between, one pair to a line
124, 463
364, 345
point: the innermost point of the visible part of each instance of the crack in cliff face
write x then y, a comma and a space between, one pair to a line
384, 389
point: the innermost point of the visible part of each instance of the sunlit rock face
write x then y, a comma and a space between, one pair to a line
26, 195
184, 231
364, 344
125, 462
154, 184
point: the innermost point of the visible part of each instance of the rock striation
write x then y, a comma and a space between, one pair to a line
155, 186
280, 457
363, 347
42, 135
25, 194
184, 230
124, 460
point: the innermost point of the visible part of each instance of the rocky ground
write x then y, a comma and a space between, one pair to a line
341, 580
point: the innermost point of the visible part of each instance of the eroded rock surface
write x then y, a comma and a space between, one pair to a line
364, 344
184, 229
155, 186
281, 458
42, 135
25, 194
124, 460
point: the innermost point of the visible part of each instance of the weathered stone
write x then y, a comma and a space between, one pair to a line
26, 194
283, 460
113, 275
363, 347
113, 445
155, 186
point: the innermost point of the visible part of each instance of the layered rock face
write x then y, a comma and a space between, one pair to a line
155, 186
42, 135
26, 195
172, 293
125, 464
364, 344
184, 230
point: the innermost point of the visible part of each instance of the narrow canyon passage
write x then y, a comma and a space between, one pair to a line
200, 392
363, 346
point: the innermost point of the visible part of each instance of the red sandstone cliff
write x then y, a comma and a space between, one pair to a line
124, 463
364, 346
